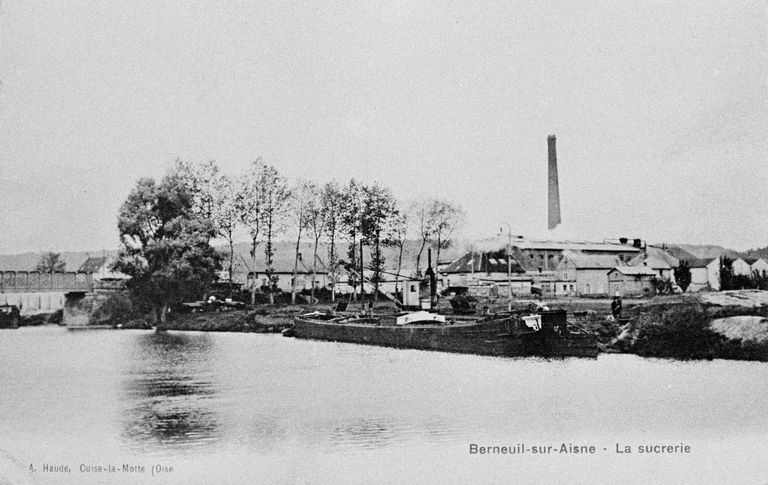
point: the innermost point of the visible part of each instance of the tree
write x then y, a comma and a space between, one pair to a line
420, 210
250, 202
353, 198
727, 279
225, 214
444, 218
300, 200
683, 275
276, 197
316, 220
661, 286
51, 262
166, 245
332, 206
213, 197
378, 208
200, 180
397, 236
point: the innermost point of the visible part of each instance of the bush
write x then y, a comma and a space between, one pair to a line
681, 333
117, 308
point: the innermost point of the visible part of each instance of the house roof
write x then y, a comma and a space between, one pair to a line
649, 262
699, 262
93, 264
480, 262
634, 270
662, 254
591, 261
524, 244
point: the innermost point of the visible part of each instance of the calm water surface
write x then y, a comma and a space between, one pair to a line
246, 408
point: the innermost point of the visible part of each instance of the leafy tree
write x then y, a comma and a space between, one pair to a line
250, 203
397, 236
166, 245
727, 279
661, 286
378, 209
213, 197
436, 221
274, 210
760, 280
316, 221
226, 215
332, 206
420, 211
683, 275
445, 218
353, 200
51, 262
300, 200
200, 180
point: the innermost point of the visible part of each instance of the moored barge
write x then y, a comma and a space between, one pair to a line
545, 334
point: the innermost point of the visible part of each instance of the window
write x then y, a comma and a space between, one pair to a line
565, 287
565, 275
571, 287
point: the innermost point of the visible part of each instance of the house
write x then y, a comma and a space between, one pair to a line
585, 274
546, 255
540, 258
741, 267
631, 280
660, 259
100, 267
661, 268
759, 267
491, 269
705, 274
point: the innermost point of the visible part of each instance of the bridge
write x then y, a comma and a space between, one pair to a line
37, 282
35, 291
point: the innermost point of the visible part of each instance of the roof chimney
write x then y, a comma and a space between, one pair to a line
554, 188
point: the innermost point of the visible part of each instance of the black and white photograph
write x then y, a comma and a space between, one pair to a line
383, 242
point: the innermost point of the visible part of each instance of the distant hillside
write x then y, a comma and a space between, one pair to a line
707, 250
28, 261
756, 253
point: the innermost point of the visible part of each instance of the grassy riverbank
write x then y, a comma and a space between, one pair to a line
724, 325
728, 325
261, 320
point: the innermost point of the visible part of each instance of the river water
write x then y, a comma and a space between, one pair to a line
248, 408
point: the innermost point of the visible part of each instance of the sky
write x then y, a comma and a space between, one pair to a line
659, 108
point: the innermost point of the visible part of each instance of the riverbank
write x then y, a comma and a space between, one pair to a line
261, 320
725, 325
717, 325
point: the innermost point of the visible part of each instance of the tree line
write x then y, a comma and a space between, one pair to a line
167, 229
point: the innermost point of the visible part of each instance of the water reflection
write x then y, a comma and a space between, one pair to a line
168, 393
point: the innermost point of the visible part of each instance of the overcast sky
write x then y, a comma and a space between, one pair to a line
659, 109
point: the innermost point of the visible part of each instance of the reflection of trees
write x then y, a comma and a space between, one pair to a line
168, 392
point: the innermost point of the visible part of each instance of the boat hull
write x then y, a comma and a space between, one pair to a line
483, 338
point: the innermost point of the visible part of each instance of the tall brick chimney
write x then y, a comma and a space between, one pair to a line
554, 188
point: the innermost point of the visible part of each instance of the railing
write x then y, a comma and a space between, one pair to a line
35, 281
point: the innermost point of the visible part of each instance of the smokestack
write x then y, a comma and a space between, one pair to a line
554, 187
430, 273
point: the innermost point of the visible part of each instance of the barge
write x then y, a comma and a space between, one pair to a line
513, 334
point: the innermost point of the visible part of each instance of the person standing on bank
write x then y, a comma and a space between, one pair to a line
616, 307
